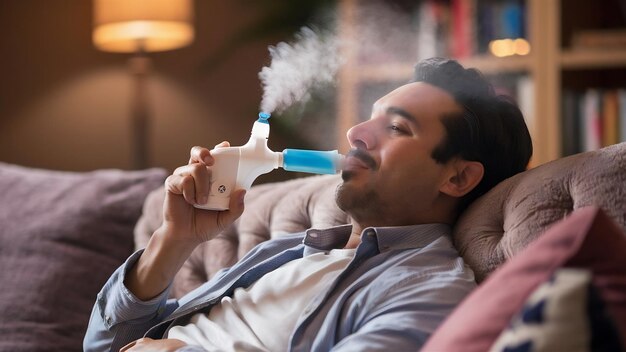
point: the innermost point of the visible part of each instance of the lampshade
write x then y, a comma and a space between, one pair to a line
142, 25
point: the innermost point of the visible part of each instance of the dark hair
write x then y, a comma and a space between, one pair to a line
490, 130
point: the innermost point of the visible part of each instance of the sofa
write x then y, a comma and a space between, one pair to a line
548, 247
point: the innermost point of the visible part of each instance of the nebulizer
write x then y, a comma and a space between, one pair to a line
237, 167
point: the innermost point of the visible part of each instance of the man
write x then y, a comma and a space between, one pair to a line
385, 282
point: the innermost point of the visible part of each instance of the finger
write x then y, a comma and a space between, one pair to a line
223, 144
128, 346
182, 185
235, 209
142, 344
200, 154
210, 159
202, 179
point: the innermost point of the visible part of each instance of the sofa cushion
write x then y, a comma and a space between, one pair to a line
587, 239
506, 219
62, 234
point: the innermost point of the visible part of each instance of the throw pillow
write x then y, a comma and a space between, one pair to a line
587, 239
564, 313
62, 234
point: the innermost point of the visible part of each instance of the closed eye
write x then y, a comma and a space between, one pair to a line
397, 129
401, 122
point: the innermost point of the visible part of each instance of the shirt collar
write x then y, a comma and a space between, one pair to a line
387, 238
328, 238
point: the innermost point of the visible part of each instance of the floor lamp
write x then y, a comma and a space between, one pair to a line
140, 27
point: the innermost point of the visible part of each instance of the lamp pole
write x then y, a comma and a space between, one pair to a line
139, 67
138, 27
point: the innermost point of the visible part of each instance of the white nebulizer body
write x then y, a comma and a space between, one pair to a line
237, 167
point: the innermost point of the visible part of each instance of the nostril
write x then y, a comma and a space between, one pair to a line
360, 136
359, 144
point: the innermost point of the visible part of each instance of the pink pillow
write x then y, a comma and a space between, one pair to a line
586, 239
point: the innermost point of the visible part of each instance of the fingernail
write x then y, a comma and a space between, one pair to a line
204, 200
242, 197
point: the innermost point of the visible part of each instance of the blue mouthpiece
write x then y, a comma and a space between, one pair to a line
311, 161
263, 116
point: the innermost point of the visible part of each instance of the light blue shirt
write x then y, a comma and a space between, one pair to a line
398, 288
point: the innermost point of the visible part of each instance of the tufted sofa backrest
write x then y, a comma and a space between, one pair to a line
519, 209
491, 230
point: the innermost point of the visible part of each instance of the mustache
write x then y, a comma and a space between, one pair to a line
364, 157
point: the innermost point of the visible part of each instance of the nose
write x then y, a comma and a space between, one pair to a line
362, 136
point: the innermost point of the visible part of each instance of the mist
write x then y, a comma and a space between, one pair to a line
312, 60
387, 37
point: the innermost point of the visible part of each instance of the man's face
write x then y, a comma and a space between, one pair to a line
390, 178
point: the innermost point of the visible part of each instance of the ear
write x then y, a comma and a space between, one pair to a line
464, 176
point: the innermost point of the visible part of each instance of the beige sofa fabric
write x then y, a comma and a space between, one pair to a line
505, 220
493, 229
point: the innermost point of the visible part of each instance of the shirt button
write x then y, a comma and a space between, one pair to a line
371, 233
108, 319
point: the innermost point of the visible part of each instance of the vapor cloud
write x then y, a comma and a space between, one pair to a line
313, 59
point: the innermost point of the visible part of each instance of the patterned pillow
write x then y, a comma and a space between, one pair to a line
587, 239
565, 313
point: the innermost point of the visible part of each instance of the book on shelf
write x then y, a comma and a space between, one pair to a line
485, 30
463, 42
592, 119
526, 100
610, 118
427, 20
513, 18
464, 28
570, 123
521, 88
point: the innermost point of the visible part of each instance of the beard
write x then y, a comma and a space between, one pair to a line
363, 205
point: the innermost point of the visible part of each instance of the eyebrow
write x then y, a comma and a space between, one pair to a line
393, 110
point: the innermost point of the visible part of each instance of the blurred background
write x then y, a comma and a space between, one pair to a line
68, 104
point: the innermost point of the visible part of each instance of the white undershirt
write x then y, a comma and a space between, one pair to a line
263, 316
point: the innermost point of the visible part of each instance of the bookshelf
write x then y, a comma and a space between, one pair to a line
547, 66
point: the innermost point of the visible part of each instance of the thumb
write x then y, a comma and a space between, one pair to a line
235, 207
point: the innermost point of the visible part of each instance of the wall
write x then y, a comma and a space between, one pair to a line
65, 105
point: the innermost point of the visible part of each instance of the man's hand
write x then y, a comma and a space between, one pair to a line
188, 186
148, 344
184, 226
